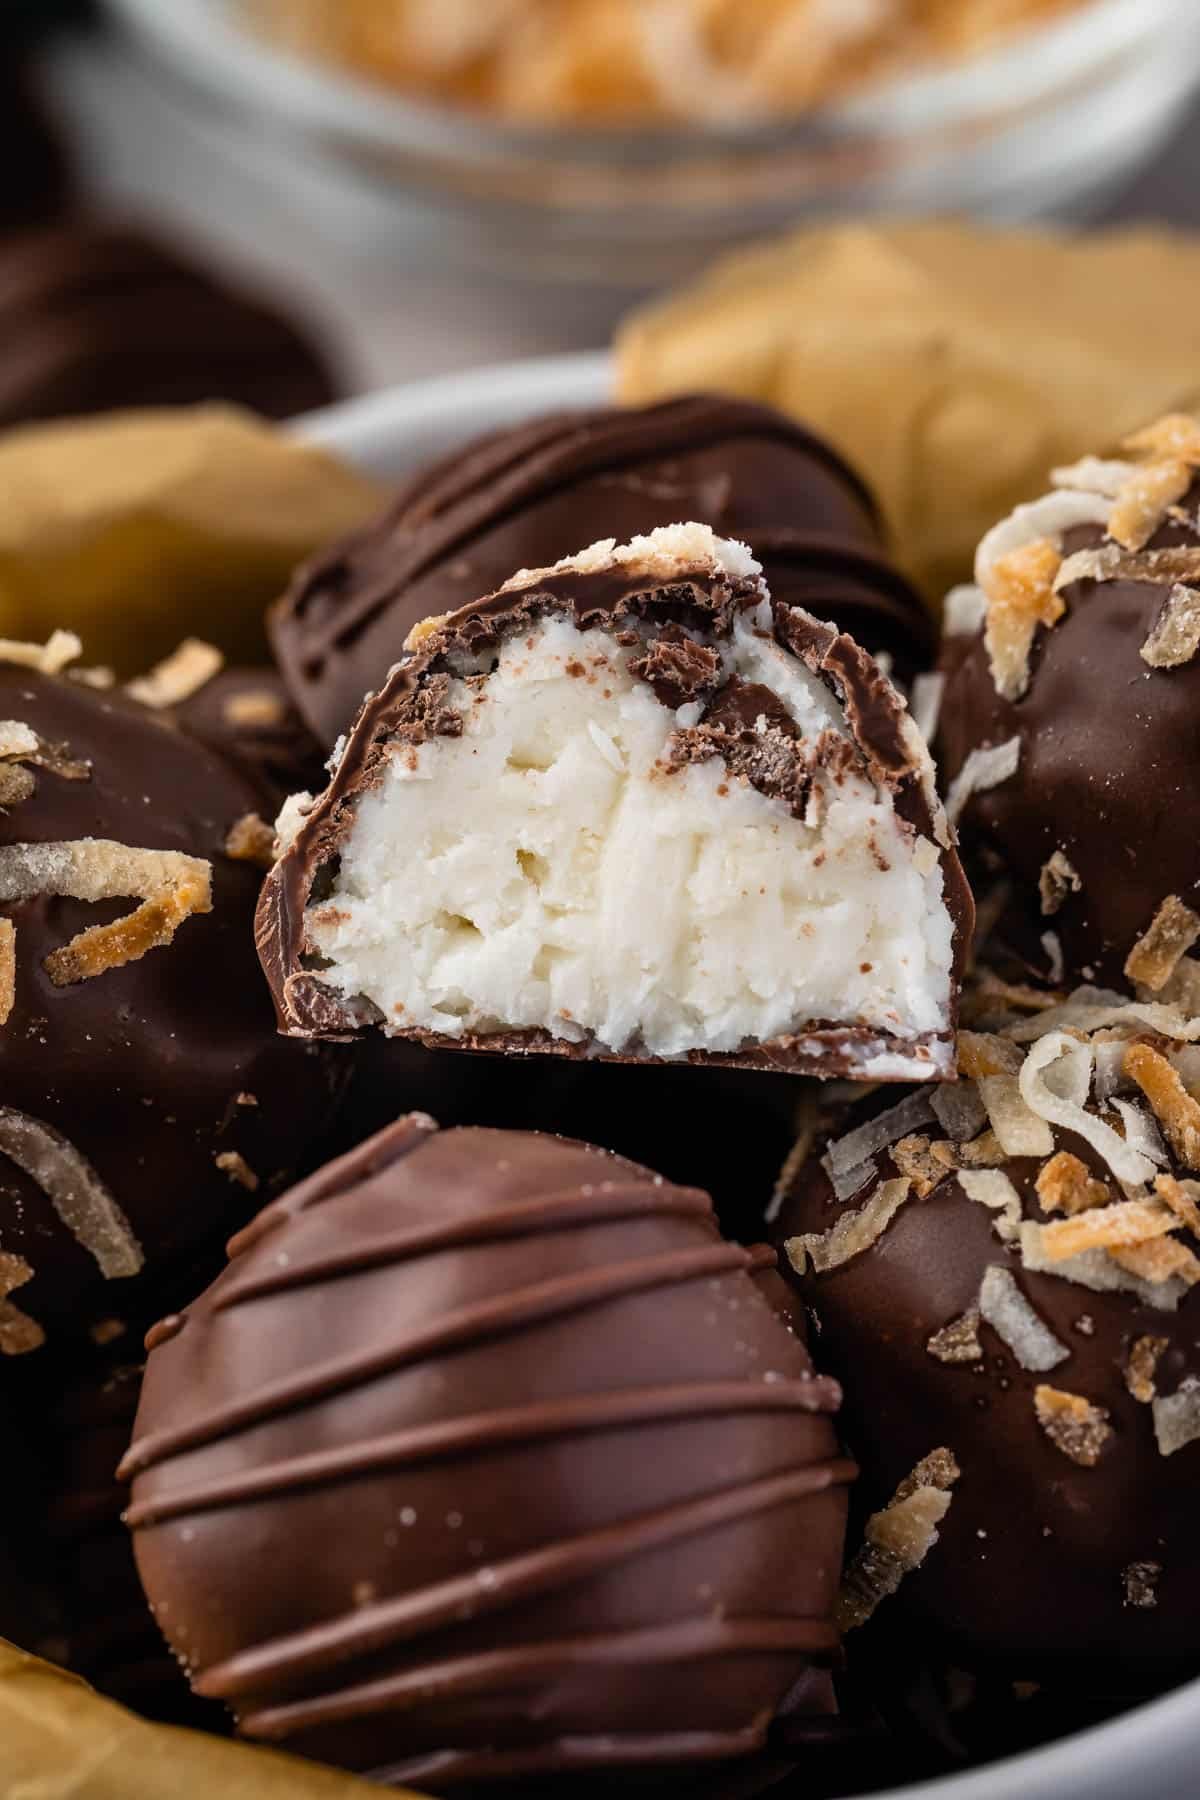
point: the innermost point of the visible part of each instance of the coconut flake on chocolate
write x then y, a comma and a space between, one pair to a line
50, 658
188, 668
1021, 596
959, 1110
1173, 1106
1016, 1324
19, 1334
8, 969
1140, 1129
914, 1158
1145, 500
1140, 1583
964, 611
1174, 638
171, 886
1070, 1062
897, 1540
853, 1233
1057, 882
1121, 1226
1074, 1425
1099, 1272
1172, 435
626, 808
957, 1342
1064, 1185
986, 768
993, 1189
74, 1190
854, 1149
1177, 1416
1095, 475
1156, 955
1141, 1367
251, 839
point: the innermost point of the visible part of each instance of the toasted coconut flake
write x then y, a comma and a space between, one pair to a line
1182, 1198
1174, 637
1040, 521
50, 658
1021, 596
1140, 1584
1017, 1129
1111, 563
74, 1190
957, 1342
1142, 1365
982, 1053
1096, 1009
897, 1540
257, 711
188, 668
8, 969
99, 677
1173, 1106
1056, 883
19, 1334
854, 1232
1016, 1324
171, 886
959, 1110
1074, 1425
1183, 989
993, 1189
1064, 1185
964, 610
925, 704
234, 1164
1140, 1130
1094, 475
983, 769
1055, 964
1121, 1226
16, 785
1155, 957
251, 839
1177, 1416
1015, 996
423, 629
983, 1152
17, 738
1175, 434
1070, 1064
1110, 1066
1145, 500
867, 1140
1101, 1273
1159, 1261
913, 1157
805, 1123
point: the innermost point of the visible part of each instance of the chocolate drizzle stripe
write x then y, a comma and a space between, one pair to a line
369, 1629
479, 1433
690, 425
500, 1671
515, 1311
608, 1202
575, 1753
360, 1164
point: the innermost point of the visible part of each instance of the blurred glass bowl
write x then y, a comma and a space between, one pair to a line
1045, 124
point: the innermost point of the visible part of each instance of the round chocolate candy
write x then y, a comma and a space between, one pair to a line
97, 317
1070, 722
147, 1102
246, 715
488, 1458
1004, 1280
526, 497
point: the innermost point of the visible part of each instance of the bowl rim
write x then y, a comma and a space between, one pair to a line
205, 42
389, 431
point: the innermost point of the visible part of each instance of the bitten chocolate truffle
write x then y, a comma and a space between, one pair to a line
1004, 1275
486, 1458
96, 317
527, 497
1070, 722
148, 1103
630, 808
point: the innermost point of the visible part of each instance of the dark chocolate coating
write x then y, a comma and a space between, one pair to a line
488, 1458
620, 600
34, 177
274, 743
527, 497
1026, 1580
98, 317
1109, 754
140, 1068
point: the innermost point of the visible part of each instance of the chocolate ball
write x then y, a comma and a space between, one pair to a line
148, 1105
1018, 1312
246, 716
488, 1458
1091, 827
526, 497
96, 317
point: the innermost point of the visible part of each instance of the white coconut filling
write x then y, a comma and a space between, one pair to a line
548, 870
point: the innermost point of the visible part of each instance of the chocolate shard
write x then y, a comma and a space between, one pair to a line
526, 497
524, 848
1045, 1368
552, 1490
1096, 683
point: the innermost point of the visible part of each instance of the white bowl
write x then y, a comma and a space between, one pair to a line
1152, 1753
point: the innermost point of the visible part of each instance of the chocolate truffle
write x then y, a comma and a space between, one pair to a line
96, 317
629, 808
488, 1457
527, 497
246, 715
1004, 1278
147, 1100
1070, 721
